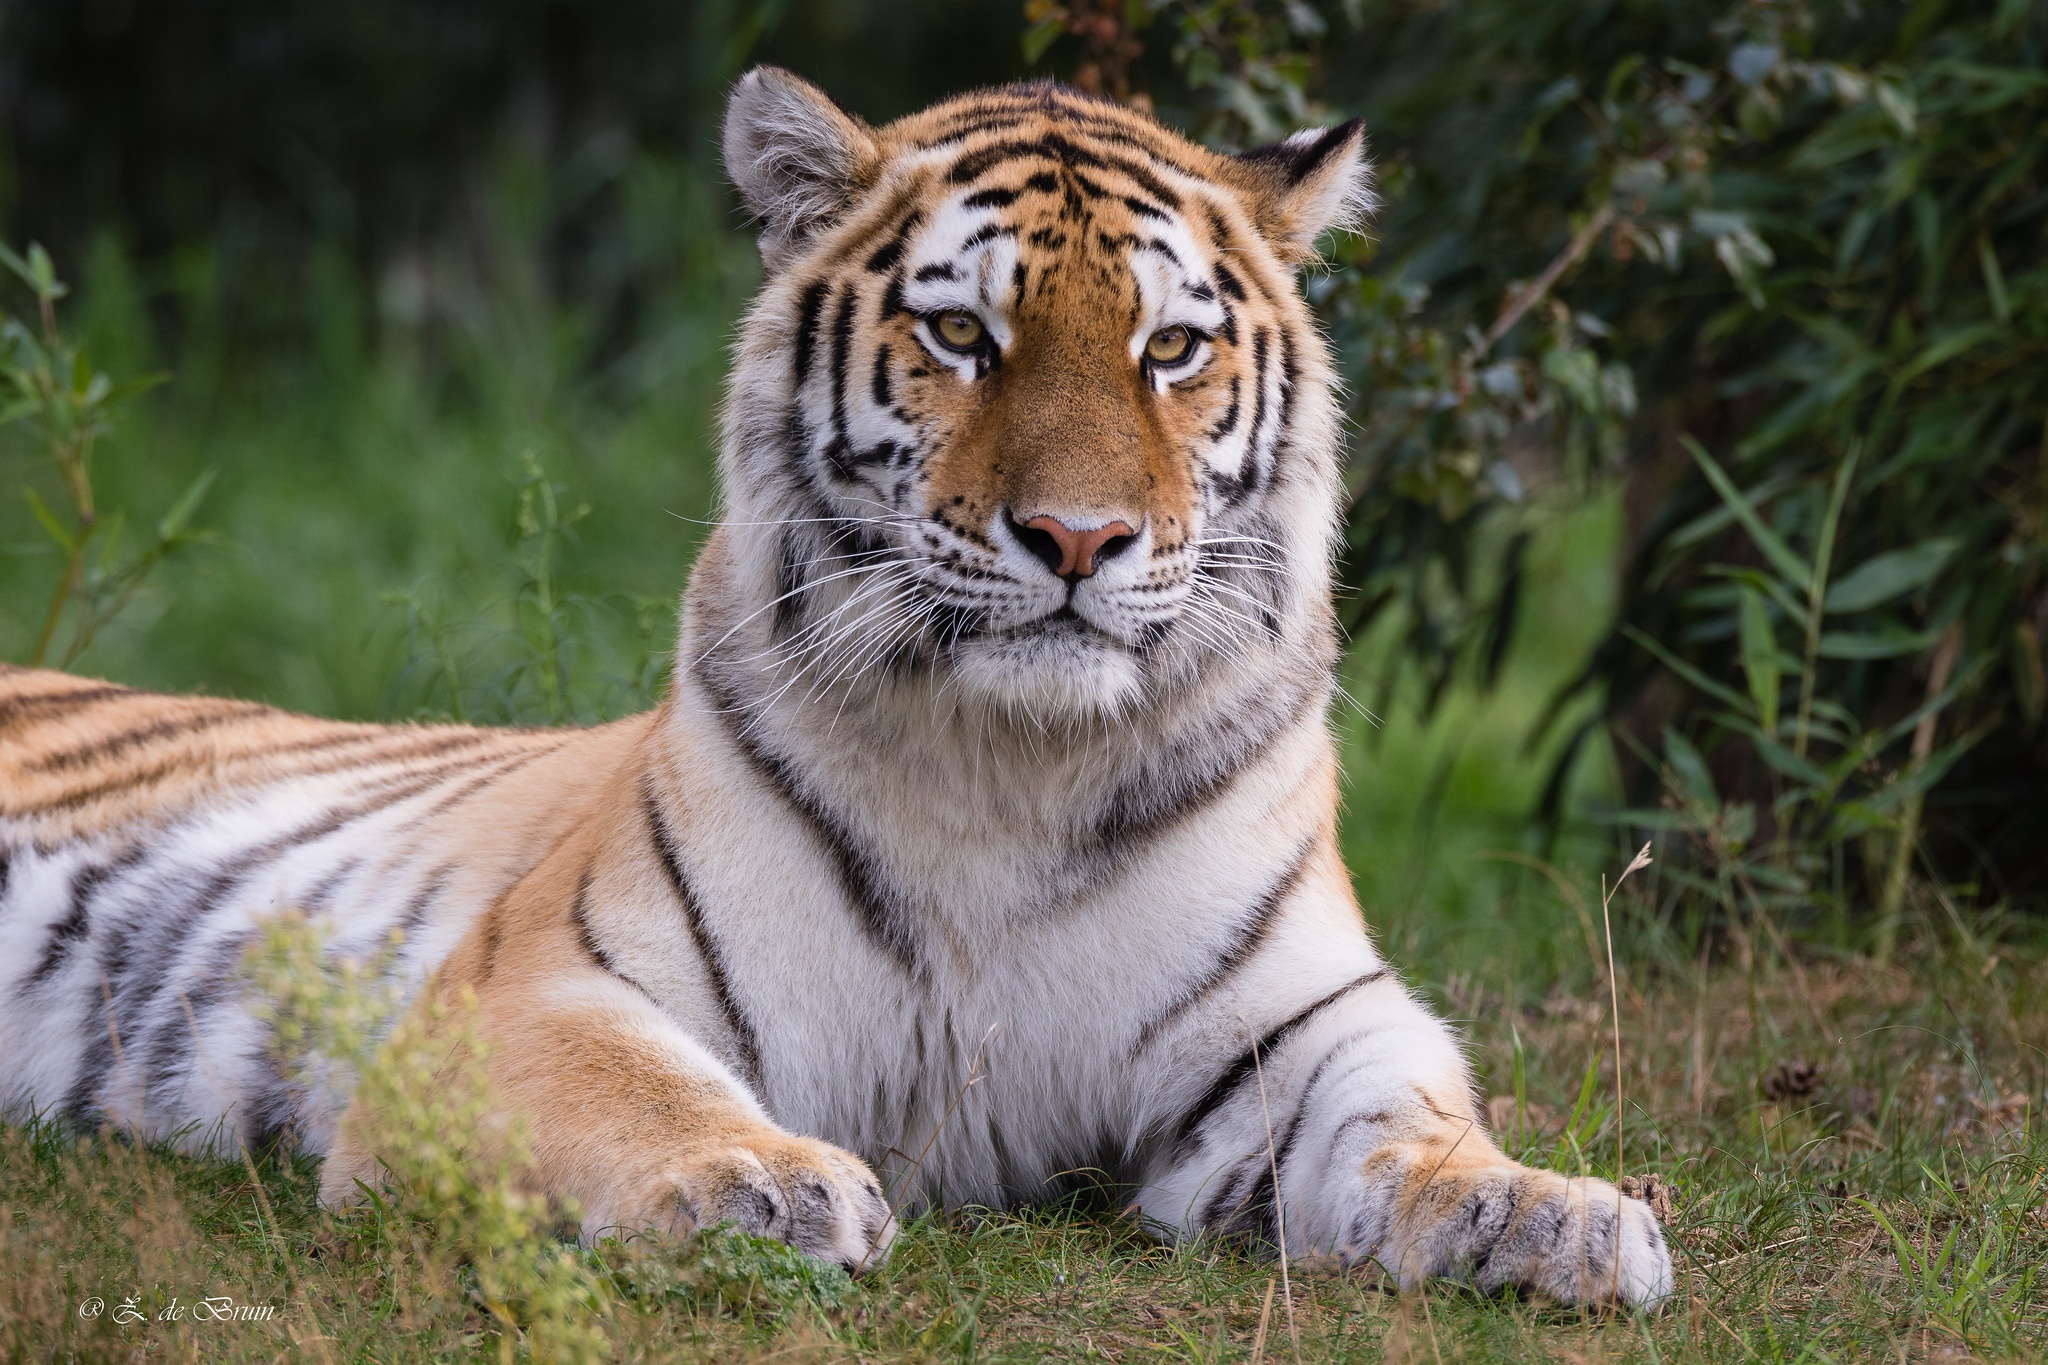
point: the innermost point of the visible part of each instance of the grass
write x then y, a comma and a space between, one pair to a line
1858, 1153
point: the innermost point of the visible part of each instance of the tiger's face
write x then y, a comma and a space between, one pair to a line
1030, 388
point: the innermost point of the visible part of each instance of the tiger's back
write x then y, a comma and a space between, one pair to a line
143, 836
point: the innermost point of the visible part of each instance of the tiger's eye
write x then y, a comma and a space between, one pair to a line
960, 330
1169, 344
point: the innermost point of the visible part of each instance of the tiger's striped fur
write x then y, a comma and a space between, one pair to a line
997, 731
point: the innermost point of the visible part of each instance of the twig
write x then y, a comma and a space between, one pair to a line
1531, 294
1430, 1322
1279, 1208
1754, 1251
1607, 894
1909, 820
1265, 1315
975, 1075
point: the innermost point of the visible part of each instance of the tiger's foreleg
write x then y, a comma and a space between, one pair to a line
628, 1119
1359, 1113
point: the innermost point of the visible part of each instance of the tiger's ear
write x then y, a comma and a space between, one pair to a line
794, 156
1310, 183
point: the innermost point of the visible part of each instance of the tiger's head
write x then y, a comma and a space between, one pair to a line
1029, 397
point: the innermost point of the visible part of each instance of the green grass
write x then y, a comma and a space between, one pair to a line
1858, 1154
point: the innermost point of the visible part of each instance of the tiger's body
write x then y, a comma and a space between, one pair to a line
997, 732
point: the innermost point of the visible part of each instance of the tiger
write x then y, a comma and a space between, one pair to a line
986, 832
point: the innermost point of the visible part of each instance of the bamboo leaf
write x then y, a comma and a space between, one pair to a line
1691, 770
1760, 658
1858, 645
1893, 574
1775, 549
1686, 671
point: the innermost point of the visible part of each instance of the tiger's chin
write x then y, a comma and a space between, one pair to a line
1054, 671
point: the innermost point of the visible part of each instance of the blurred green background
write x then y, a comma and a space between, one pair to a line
441, 292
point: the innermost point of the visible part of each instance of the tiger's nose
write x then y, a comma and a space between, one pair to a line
1070, 553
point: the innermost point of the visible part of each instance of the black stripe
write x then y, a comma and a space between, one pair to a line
168, 768
14, 708
884, 395
875, 904
166, 1058
1297, 161
586, 937
885, 256
316, 900
938, 270
75, 923
1253, 928
121, 960
1285, 1147
506, 767
415, 912
1154, 244
1234, 1193
86, 795
1229, 281
1057, 147
121, 741
1246, 480
842, 344
1194, 771
994, 197
789, 588
987, 233
809, 308
1254, 1058
1229, 422
707, 948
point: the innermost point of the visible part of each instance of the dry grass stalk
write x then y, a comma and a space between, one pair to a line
1607, 894
1279, 1208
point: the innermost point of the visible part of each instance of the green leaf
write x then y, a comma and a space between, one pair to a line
14, 263
1892, 574
1948, 347
1041, 36
1686, 671
42, 273
1691, 770
1760, 658
1994, 280
1848, 645
174, 521
1775, 549
1793, 607
1806, 773
48, 519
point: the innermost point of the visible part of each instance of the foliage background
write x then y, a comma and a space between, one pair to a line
441, 290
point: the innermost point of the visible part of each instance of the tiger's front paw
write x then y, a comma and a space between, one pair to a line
821, 1200
1493, 1223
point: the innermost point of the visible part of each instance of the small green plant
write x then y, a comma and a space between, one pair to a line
540, 653
452, 1191
49, 383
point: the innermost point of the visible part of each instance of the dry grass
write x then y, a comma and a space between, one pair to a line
1860, 1168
